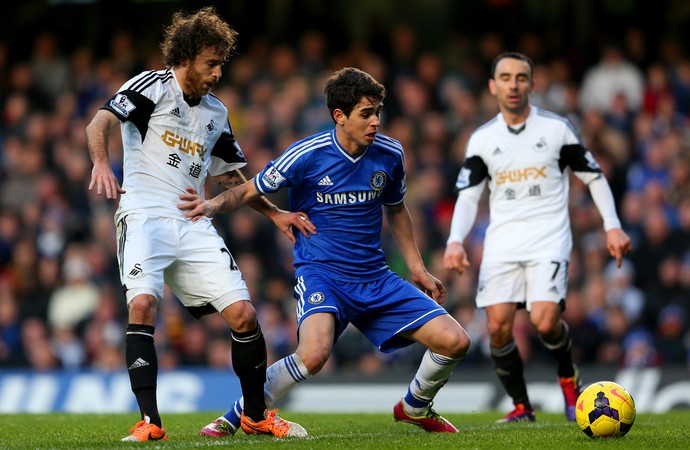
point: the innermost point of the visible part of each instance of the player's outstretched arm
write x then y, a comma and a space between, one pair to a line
283, 220
227, 201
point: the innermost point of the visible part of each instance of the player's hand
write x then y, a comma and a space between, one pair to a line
104, 180
455, 257
195, 206
618, 244
285, 220
431, 286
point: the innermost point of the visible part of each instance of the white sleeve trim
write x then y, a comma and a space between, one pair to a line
465, 212
603, 199
219, 167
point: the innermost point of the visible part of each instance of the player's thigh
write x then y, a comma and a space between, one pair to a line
316, 335
499, 323
500, 282
546, 291
205, 272
547, 281
546, 318
146, 247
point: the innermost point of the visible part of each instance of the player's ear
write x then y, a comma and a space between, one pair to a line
339, 116
492, 86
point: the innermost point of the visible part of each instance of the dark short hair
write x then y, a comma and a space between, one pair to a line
346, 87
512, 55
189, 34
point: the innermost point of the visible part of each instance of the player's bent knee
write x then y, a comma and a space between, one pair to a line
240, 316
313, 359
453, 344
142, 309
500, 332
549, 330
461, 345
548, 326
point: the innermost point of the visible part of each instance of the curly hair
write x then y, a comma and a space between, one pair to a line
189, 34
345, 88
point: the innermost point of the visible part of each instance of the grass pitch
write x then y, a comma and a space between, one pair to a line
342, 431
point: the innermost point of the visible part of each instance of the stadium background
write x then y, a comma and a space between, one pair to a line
61, 309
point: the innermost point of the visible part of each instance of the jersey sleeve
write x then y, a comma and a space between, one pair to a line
395, 191
576, 156
269, 180
226, 155
136, 100
581, 162
281, 172
472, 172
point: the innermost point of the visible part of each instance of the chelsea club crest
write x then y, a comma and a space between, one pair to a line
316, 298
378, 180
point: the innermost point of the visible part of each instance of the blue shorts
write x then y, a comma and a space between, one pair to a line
380, 308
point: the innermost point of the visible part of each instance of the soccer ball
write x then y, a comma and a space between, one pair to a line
605, 409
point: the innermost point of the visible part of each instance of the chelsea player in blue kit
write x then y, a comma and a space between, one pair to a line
343, 179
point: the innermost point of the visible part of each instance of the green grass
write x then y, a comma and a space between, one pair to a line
343, 431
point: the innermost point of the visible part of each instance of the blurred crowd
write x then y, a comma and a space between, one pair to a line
61, 303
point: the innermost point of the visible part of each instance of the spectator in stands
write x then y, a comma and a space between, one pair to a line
10, 325
37, 353
75, 301
621, 291
638, 349
657, 85
49, 66
614, 75
672, 335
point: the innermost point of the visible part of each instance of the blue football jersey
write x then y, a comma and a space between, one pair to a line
343, 197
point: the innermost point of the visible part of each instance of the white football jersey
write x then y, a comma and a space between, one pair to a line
169, 144
525, 169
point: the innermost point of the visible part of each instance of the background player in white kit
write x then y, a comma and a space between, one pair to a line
174, 132
523, 154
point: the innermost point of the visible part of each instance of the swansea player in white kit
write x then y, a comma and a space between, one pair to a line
525, 155
345, 178
174, 133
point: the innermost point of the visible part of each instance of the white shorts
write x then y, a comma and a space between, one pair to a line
522, 282
190, 257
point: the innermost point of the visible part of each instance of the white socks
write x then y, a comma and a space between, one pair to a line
433, 373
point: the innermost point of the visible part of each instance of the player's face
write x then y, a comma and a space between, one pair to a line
358, 130
202, 73
512, 84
